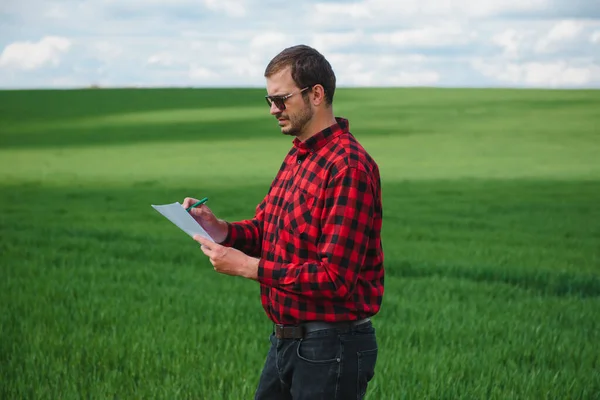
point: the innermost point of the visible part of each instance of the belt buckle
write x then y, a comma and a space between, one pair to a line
279, 331
288, 332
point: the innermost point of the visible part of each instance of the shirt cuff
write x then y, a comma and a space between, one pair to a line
229, 239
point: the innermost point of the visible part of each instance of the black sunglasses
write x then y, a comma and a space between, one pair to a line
279, 101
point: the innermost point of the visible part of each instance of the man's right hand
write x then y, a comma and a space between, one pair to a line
216, 228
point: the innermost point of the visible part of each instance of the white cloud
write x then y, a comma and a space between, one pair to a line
565, 30
224, 47
67, 81
30, 55
106, 50
161, 59
341, 10
198, 73
229, 42
428, 36
422, 78
387, 70
540, 74
254, 57
331, 41
270, 41
386, 12
56, 11
562, 33
510, 41
231, 8
248, 68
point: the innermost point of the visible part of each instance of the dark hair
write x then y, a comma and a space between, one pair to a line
309, 68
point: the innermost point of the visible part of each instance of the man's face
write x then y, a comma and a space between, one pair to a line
298, 112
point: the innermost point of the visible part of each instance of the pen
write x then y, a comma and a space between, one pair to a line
204, 200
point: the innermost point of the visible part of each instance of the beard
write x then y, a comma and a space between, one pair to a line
297, 122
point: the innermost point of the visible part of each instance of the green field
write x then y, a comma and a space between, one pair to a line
491, 237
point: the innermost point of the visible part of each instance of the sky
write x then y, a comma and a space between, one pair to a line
228, 43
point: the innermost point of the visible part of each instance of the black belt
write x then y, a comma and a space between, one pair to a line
299, 331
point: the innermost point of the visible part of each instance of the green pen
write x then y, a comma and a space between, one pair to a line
204, 200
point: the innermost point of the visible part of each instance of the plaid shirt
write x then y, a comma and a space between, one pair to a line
317, 232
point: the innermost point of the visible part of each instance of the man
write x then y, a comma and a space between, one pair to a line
314, 243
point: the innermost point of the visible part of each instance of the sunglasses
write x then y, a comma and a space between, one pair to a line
279, 101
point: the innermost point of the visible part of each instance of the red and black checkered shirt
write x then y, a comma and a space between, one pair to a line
317, 232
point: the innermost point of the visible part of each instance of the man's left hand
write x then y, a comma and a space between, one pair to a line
228, 260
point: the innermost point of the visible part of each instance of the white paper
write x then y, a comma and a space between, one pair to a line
179, 216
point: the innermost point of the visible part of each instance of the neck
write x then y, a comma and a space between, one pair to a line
322, 119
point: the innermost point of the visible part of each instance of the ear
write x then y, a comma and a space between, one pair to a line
317, 95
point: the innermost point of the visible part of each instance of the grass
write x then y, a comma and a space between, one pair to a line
490, 234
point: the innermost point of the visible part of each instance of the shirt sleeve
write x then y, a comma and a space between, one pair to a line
247, 235
346, 225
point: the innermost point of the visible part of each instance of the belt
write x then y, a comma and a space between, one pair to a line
299, 331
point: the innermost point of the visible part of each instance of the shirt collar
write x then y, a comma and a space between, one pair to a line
320, 139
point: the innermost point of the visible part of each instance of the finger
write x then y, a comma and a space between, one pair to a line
201, 240
203, 243
198, 210
207, 252
188, 201
206, 242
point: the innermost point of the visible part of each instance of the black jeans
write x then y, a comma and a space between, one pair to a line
327, 364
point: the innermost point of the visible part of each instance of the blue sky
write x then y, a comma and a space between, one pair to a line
212, 43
